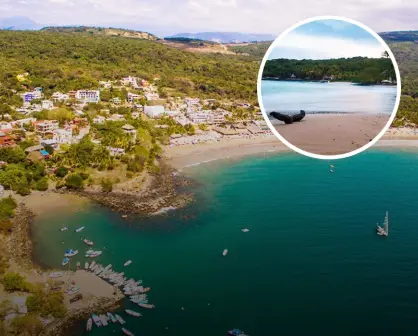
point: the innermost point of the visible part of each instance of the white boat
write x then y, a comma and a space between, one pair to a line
112, 317
146, 305
127, 332
64, 228
86, 266
245, 230
89, 324
80, 229
88, 242
103, 319
56, 274
120, 319
73, 290
384, 230
92, 265
65, 261
127, 263
93, 254
70, 253
225, 252
96, 320
133, 313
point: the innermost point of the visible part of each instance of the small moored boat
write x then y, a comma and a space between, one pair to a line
225, 252
146, 305
65, 261
127, 263
120, 319
80, 229
89, 324
96, 320
133, 313
88, 242
86, 266
245, 230
103, 319
70, 253
64, 228
127, 332
112, 317
236, 332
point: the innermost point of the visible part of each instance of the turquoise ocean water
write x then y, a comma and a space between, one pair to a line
336, 97
311, 264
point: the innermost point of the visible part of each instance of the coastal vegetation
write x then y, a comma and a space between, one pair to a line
7, 210
61, 61
357, 69
13, 282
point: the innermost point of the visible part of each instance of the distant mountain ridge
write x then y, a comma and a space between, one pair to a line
102, 31
400, 36
19, 23
225, 37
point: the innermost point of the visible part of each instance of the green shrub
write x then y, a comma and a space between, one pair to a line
107, 185
49, 149
42, 184
46, 304
74, 181
15, 282
61, 172
84, 176
27, 325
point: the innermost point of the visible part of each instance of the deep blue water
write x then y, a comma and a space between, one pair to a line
334, 97
310, 265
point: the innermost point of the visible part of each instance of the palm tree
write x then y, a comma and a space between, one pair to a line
385, 54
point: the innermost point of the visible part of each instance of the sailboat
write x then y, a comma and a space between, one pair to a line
384, 230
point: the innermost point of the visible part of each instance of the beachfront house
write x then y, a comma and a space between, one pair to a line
88, 96
154, 111
47, 105
46, 126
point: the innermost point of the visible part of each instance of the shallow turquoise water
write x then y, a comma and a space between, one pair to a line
311, 263
288, 96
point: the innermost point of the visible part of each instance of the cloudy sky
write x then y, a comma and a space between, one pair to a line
172, 16
324, 39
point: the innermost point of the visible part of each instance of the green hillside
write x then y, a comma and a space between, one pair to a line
68, 61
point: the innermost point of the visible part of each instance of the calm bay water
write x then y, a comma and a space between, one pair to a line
293, 96
311, 263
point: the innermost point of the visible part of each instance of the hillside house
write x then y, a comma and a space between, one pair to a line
154, 111
88, 96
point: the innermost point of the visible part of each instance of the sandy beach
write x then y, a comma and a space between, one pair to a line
190, 155
332, 134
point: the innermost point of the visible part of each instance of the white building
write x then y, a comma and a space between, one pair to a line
129, 81
192, 101
99, 119
201, 117
154, 111
88, 96
116, 117
5, 125
46, 126
23, 122
63, 136
133, 96
58, 96
152, 96
47, 105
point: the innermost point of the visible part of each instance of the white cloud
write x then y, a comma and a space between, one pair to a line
299, 46
258, 16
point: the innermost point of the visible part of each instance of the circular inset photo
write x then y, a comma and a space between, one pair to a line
329, 87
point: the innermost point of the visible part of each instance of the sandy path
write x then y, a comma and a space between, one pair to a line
333, 133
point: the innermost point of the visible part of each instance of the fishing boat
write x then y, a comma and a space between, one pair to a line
127, 263
56, 274
225, 252
65, 261
96, 320
93, 254
127, 332
245, 230
86, 266
103, 319
236, 332
70, 253
78, 265
133, 313
92, 265
384, 230
146, 305
64, 228
120, 319
80, 229
88, 242
89, 324
112, 317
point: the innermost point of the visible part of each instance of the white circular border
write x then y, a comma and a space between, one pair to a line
320, 156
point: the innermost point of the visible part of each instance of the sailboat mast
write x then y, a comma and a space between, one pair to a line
387, 223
